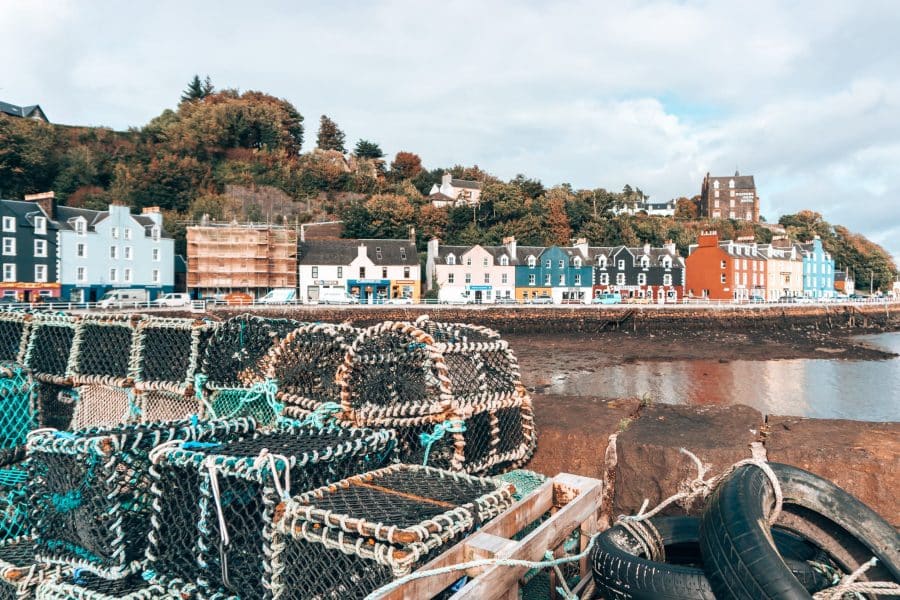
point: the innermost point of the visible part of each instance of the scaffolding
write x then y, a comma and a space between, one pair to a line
241, 257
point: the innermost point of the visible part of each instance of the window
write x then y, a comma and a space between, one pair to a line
531, 262
450, 277
731, 204
577, 279
9, 246
504, 260
484, 262
405, 272
601, 262
40, 225
548, 264
155, 254
645, 262
113, 274
731, 214
80, 226
114, 232
155, 233
716, 203
468, 261
468, 278
732, 195
81, 251
621, 264
562, 280
114, 252
487, 277
362, 272
402, 253
128, 253
562, 264
547, 279
620, 279
577, 262
667, 279
9, 224
723, 264
451, 259
40, 273
748, 216
642, 279
716, 214
384, 272
340, 272
604, 278
155, 276
40, 248
745, 264
531, 280
9, 272
504, 278
737, 278
717, 195
315, 272
128, 233
127, 275
722, 278
667, 263
81, 274
716, 184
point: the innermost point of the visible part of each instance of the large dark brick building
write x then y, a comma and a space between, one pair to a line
729, 197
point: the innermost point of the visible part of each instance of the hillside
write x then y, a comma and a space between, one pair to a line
241, 156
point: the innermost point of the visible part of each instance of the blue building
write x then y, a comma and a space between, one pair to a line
561, 273
818, 269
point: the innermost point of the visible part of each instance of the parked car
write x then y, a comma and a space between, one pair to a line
238, 298
123, 297
542, 300
788, 300
608, 298
337, 296
400, 300
505, 300
279, 296
757, 299
173, 299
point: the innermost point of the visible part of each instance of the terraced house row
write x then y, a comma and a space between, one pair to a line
572, 274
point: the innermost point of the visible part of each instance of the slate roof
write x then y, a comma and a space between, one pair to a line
465, 183
731, 249
26, 211
342, 252
20, 111
740, 181
439, 197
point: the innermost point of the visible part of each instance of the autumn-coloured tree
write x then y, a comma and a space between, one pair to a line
330, 136
686, 209
559, 231
405, 165
390, 216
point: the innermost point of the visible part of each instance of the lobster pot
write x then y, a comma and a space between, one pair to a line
257, 401
49, 347
87, 586
461, 381
55, 405
348, 539
19, 575
166, 353
14, 514
17, 405
238, 484
89, 491
102, 350
14, 330
107, 406
305, 364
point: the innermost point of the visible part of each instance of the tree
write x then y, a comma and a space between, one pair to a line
197, 89
330, 136
406, 165
686, 209
367, 149
559, 231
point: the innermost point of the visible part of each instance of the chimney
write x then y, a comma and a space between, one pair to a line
670, 247
708, 239
434, 247
303, 233
361, 251
510, 243
647, 248
581, 244
412, 235
445, 180
154, 213
47, 202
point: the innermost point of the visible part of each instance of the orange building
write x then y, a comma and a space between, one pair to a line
728, 270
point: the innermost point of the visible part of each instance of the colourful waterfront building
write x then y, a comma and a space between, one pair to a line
784, 269
645, 273
474, 274
727, 270
562, 273
818, 269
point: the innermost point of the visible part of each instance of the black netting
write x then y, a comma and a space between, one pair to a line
479, 437
103, 350
411, 450
87, 586
176, 512
49, 347
16, 558
512, 433
457, 333
13, 328
56, 404
166, 353
236, 349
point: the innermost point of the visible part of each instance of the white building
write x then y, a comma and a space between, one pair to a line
455, 192
100, 250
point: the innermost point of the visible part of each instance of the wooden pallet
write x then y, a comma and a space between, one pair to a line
573, 502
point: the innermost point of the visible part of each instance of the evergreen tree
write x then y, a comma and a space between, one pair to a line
208, 87
367, 149
330, 136
197, 89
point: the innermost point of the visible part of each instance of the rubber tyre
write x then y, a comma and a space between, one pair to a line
739, 555
621, 573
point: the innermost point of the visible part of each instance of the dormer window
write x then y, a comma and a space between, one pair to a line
377, 252
716, 184
531, 262
504, 260
80, 226
402, 253
667, 262
645, 262
451, 259
731, 184
576, 262
601, 262
40, 225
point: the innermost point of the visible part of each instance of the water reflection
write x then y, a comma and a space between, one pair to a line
836, 389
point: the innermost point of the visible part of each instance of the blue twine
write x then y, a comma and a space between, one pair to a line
414, 345
199, 383
195, 420
66, 435
449, 426
149, 575
66, 502
76, 576
320, 415
13, 476
199, 445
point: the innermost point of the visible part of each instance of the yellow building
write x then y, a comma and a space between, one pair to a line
528, 294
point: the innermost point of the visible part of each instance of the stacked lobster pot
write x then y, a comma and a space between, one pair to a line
451, 391
348, 539
47, 356
214, 504
233, 382
90, 501
14, 331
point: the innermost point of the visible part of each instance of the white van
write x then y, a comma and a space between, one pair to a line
173, 299
336, 296
454, 295
279, 296
120, 298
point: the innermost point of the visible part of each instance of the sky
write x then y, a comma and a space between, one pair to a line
804, 95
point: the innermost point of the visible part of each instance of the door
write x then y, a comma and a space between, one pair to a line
312, 293
478, 296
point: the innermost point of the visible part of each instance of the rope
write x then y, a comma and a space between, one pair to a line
321, 415
428, 439
849, 585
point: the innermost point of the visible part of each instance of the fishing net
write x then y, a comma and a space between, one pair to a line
19, 574
102, 350
49, 347
87, 586
348, 539
167, 353
104, 406
90, 491
14, 327
214, 503
17, 405
14, 514
55, 405
233, 354
305, 364
451, 391
258, 401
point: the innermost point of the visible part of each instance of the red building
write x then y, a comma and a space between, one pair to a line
728, 270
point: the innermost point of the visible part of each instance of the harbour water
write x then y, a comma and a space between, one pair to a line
865, 390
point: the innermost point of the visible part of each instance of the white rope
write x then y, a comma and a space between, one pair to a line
849, 585
214, 486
